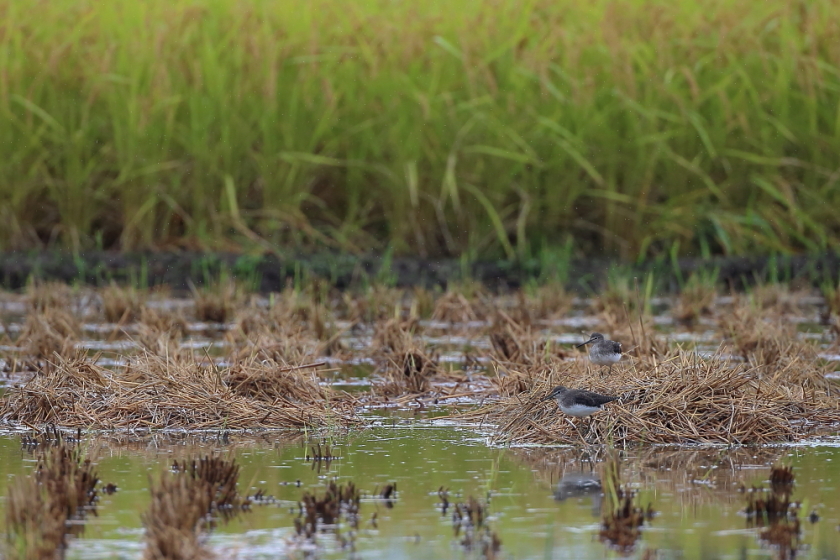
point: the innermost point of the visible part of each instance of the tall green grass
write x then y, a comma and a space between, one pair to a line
477, 127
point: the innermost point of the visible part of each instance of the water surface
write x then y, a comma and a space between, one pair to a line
695, 492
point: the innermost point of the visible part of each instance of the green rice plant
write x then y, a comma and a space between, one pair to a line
487, 127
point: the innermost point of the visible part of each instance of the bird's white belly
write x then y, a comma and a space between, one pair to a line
605, 359
579, 410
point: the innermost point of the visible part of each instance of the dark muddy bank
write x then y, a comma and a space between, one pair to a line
267, 273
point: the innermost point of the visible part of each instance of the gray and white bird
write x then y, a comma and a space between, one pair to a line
577, 402
603, 352
578, 485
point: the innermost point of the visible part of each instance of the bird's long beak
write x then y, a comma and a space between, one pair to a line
548, 397
585, 343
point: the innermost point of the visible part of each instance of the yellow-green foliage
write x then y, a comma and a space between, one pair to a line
433, 125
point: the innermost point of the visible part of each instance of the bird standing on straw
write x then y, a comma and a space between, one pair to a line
603, 352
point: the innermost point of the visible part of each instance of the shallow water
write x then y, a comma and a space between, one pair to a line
694, 491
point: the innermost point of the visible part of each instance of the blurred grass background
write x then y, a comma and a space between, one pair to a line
492, 128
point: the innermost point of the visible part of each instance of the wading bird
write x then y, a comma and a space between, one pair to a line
578, 403
603, 352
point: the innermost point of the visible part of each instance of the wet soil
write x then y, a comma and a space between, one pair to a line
273, 273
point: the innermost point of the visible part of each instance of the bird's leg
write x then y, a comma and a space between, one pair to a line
609, 373
577, 430
589, 431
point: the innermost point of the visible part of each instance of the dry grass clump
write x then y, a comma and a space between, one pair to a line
410, 372
39, 507
619, 295
42, 296
302, 307
164, 321
755, 337
776, 299
421, 303
175, 519
461, 303
122, 304
276, 382
158, 392
834, 330
515, 342
394, 336
294, 319
377, 303
184, 503
293, 348
509, 381
453, 307
773, 347
159, 330
405, 366
66, 394
217, 302
684, 399
48, 332
782, 479
285, 333
696, 300
546, 302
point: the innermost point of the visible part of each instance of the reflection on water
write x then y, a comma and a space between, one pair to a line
577, 485
543, 503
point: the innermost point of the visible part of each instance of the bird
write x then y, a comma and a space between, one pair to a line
603, 352
577, 402
578, 485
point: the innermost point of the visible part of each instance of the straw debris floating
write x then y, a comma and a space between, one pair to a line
164, 392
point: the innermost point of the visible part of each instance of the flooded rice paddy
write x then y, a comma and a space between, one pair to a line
695, 493
401, 392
